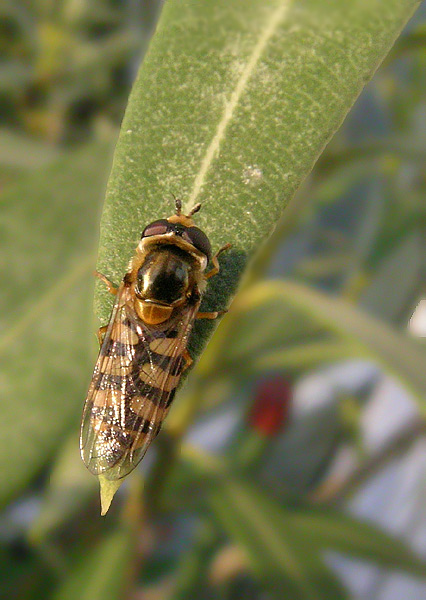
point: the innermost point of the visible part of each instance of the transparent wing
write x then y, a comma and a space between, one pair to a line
133, 385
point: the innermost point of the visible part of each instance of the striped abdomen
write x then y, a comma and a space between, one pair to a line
133, 385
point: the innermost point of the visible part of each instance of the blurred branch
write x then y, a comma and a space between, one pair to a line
408, 43
168, 450
169, 447
334, 491
192, 569
395, 147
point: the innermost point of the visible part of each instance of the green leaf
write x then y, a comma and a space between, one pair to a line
192, 569
19, 151
343, 533
20, 154
286, 546
48, 232
277, 559
275, 554
67, 491
231, 108
101, 574
403, 264
315, 530
270, 322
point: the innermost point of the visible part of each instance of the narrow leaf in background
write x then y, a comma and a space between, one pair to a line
102, 573
286, 547
46, 314
272, 320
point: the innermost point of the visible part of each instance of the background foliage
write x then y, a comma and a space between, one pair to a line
238, 495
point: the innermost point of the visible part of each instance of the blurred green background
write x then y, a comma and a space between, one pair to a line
302, 473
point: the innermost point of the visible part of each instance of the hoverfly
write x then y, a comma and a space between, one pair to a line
143, 349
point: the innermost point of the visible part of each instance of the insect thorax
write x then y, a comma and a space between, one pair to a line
164, 280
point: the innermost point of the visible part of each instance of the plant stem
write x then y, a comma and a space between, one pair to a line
335, 492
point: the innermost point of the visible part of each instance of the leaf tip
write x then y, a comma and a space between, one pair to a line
108, 490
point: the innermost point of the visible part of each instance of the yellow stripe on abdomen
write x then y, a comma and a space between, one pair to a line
164, 346
122, 333
158, 378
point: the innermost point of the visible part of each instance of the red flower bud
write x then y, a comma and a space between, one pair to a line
271, 405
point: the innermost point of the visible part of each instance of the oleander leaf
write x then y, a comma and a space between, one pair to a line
48, 235
288, 325
231, 108
102, 572
285, 545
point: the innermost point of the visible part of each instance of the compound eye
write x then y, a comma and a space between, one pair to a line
156, 228
198, 239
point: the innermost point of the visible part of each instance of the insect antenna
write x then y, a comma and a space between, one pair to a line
178, 204
195, 209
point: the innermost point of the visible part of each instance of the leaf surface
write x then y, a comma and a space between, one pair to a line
101, 574
286, 546
231, 108
48, 231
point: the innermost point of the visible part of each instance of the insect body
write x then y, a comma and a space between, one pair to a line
143, 351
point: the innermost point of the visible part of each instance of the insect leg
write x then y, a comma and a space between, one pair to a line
111, 287
210, 315
101, 333
188, 360
215, 262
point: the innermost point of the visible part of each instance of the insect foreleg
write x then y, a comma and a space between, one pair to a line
101, 334
111, 287
215, 262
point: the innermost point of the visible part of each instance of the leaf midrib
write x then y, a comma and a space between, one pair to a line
265, 35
